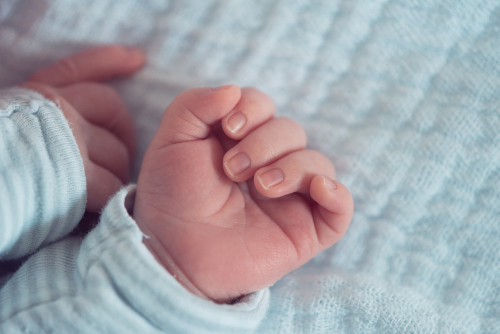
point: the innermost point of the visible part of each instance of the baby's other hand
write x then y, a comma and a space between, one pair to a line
230, 197
99, 120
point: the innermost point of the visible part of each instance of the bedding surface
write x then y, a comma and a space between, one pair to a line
402, 95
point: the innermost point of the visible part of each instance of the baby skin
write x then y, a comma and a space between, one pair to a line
228, 196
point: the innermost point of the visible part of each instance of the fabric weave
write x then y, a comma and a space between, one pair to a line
403, 95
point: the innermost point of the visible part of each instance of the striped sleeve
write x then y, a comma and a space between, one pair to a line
110, 283
42, 181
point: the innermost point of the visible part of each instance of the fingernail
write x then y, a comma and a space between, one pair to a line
237, 164
329, 184
224, 87
236, 121
271, 178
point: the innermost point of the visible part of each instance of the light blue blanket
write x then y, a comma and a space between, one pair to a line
404, 97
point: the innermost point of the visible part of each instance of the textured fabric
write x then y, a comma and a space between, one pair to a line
403, 95
42, 181
111, 283
107, 282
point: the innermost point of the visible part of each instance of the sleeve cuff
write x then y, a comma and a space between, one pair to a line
115, 246
42, 179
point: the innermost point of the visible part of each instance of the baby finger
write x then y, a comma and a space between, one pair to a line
266, 144
107, 151
101, 105
333, 212
253, 109
292, 173
101, 185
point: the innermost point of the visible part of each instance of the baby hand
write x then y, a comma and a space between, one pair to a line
99, 120
230, 198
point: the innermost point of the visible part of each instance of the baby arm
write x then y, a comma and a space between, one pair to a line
46, 167
100, 123
229, 197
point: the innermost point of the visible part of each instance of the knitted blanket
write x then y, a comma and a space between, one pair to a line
403, 96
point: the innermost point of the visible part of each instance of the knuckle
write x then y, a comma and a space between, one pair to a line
187, 100
319, 159
294, 128
256, 99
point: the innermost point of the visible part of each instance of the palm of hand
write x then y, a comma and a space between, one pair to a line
223, 238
